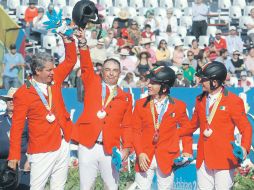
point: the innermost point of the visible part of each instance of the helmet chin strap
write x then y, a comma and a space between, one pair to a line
212, 87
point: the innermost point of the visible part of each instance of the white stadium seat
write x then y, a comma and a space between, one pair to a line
243, 21
166, 3
43, 3
67, 12
136, 3
59, 3
106, 3
151, 3
211, 30
113, 11
181, 4
20, 11
49, 41
203, 41
160, 12
188, 40
121, 3
224, 4
13, 4
186, 21
235, 12
246, 10
240, 3
72, 2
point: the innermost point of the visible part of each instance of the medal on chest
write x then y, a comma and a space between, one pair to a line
156, 136
101, 114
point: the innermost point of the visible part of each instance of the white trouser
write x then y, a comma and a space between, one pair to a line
214, 179
50, 164
90, 161
144, 179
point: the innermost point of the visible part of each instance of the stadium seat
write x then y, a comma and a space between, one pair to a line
246, 10
109, 20
142, 11
174, 40
72, 2
186, 21
121, 3
243, 21
211, 30
224, 4
132, 11
159, 38
59, 3
136, 3
151, 3
166, 3
188, 11
203, 41
177, 13
240, 3
43, 3
106, 3
25, 2
182, 31
113, 11
88, 34
188, 40
13, 4
140, 20
235, 12
181, 4
160, 12
67, 12
20, 12
49, 41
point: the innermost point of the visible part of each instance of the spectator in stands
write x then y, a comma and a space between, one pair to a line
188, 71
147, 33
110, 40
152, 21
51, 12
180, 80
92, 41
6, 121
128, 81
143, 63
178, 54
39, 20
134, 33
202, 59
124, 39
162, 52
211, 51
250, 26
223, 58
190, 58
98, 53
146, 42
98, 68
116, 28
170, 22
237, 62
123, 19
219, 42
234, 42
127, 64
194, 48
12, 63
244, 82
199, 18
142, 82
249, 61
30, 13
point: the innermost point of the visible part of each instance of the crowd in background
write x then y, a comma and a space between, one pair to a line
141, 45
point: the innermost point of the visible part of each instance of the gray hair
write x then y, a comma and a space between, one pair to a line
39, 60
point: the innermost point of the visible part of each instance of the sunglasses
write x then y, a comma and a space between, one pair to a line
236, 54
190, 55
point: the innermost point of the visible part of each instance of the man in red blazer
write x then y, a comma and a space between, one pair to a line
217, 113
155, 124
40, 101
105, 122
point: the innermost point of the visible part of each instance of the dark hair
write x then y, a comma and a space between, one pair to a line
160, 43
98, 64
194, 40
169, 29
13, 46
147, 26
222, 51
113, 60
39, 60
200, 55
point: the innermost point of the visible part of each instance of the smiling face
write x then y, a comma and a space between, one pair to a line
46, 74
111, 72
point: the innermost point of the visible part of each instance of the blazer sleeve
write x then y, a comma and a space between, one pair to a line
185, 124
64, 68
18, 124
126, 125
137, 130
241, 121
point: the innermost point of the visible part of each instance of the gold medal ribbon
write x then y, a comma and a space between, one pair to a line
210, 116
112, 94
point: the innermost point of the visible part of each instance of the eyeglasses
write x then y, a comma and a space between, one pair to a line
236, 54
134, 24
190, 55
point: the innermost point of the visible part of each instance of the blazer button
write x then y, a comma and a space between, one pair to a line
104, 122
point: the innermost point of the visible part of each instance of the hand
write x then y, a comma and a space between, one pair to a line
12, 66
143, 161
27, 166
188, 155
125, 153
80, 34
13, 164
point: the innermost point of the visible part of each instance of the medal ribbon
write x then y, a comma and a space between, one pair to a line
47, 105
209, 116
110, 97
157, 121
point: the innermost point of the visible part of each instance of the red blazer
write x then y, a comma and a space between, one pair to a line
216, 150
167, 148
117, 123
43, 136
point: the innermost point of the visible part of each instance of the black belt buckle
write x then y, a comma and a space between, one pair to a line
99, 142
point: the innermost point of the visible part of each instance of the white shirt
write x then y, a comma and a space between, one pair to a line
172, 21
199, 12
251, 31
42, 87
159, 104
234, 43
212, 98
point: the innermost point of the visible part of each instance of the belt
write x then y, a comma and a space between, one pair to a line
99, 142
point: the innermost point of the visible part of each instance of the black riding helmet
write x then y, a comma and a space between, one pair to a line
213, 71
9, 178
83, 12
162, 75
